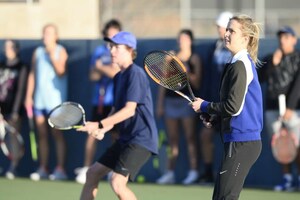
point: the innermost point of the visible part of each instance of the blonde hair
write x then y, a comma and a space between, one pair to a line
52, 26
252, 30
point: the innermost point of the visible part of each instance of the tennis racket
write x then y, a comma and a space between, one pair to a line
32, 138
66, 116
168, 71
284, 142
11, 142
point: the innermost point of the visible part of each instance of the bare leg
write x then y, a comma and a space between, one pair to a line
207, 152
207, 146
90, 149
42, 140
60, 147
94, 175
173, 133
286, 169
189, 127
119, 186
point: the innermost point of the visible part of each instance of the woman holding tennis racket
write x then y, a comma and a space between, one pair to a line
133, 113
240, 108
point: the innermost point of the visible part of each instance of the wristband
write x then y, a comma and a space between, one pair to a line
100, 126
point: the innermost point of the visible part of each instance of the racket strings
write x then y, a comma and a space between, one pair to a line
65, 116
11, 141
166, 70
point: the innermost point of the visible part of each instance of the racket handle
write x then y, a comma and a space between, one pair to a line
33, 146
77, 126
183, 95
191, 91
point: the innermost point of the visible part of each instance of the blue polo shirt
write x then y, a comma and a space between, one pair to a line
133, 85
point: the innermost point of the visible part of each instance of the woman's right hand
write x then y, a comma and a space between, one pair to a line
196, 104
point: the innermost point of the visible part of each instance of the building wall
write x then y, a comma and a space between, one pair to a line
74, 18
82, 19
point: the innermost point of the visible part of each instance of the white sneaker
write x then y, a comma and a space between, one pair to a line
39, 174
167, 178
81, 175
192, 177
286, 185
10, 175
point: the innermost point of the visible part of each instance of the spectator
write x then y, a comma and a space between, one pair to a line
13, 76
47, 88
133, 114
177, 112
217, 60
101, 73
282, 75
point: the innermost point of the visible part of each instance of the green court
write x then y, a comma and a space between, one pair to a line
68, 190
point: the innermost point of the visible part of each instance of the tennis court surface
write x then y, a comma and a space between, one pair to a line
23, 188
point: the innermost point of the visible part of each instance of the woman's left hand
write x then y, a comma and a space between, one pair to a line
196, 104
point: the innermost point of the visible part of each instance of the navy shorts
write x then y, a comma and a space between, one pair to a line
125, 159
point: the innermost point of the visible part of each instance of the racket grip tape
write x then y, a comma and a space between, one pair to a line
77, 126
33, 146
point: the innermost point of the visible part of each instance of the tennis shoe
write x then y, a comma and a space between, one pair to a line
191, 178
58, 175
286, 185
167, 178
10, 175
39, 174
81, 175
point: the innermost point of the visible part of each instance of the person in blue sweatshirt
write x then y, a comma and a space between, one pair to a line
239, 112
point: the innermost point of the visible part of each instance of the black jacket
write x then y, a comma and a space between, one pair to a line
240, 106
282, 79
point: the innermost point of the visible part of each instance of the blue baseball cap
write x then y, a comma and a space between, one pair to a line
286, 29
123, 37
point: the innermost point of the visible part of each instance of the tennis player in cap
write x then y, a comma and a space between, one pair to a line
133, 116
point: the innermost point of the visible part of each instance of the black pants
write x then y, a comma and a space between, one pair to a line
237, 160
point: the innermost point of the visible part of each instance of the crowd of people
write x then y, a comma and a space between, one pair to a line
122, 104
